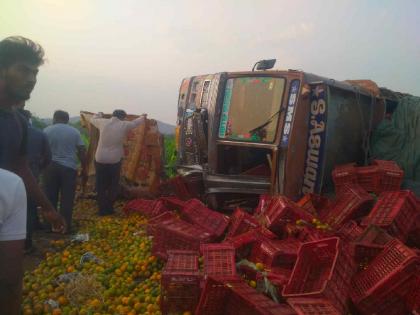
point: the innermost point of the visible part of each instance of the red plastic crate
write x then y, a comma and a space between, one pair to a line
177, 234
243, 243
276, 253
344, 175
262, 204
353, 203
180, 188
308, 306
173, 202
414, 235
381, 288
314, 204
323, 270
349, 231
182, 261
246, 300
282, 211
390, 175
219, 259
370, 244
413, 298
159, 219
215, 295
368, 177
310, 234
148, 208
277, 277
241, 222
396, 212
180, 282
197, 213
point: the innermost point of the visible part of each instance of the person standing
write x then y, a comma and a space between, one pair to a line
20, 59
12, 236
60, 176
39, 157
108, 156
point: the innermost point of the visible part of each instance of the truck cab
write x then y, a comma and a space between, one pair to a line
270, 132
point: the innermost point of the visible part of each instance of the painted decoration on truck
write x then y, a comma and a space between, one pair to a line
225, 109
293, 94
312, 179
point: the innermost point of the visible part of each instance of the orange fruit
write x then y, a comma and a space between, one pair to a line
137, 306
27, 311
62, 300
56, 311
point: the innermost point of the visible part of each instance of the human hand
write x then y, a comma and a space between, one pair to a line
58, 224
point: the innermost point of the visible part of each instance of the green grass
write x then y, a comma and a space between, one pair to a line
170, 155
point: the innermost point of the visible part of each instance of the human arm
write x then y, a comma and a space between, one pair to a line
33, 189
12, 235
136, 122
97, 120
11, 274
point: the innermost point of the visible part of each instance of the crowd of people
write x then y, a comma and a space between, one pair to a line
57, 154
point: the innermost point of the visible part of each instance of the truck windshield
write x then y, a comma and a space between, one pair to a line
251, 109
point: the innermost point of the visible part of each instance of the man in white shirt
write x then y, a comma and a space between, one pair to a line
112, 133
12, 237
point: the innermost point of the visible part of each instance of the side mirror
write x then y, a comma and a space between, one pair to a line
264, 64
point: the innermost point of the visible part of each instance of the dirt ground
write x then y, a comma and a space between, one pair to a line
42, 241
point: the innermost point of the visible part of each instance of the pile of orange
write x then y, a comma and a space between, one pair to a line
120, 262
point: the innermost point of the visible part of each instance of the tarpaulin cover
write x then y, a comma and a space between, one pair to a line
398, 139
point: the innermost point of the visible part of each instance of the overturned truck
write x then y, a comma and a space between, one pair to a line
254, 132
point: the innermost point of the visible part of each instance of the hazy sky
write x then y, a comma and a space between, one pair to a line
133, 54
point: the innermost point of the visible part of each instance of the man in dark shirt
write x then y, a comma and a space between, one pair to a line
20, 59
39, 156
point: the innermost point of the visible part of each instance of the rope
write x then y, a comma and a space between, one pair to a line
366, 131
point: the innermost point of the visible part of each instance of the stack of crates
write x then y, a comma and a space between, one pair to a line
180, 282
218, 259
379, 177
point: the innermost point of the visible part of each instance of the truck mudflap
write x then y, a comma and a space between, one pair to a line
236, 184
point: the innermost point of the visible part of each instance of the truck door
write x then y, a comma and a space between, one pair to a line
193, 129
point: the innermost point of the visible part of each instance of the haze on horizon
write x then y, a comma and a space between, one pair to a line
133, 54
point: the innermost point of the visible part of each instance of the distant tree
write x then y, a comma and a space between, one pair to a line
38, 123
